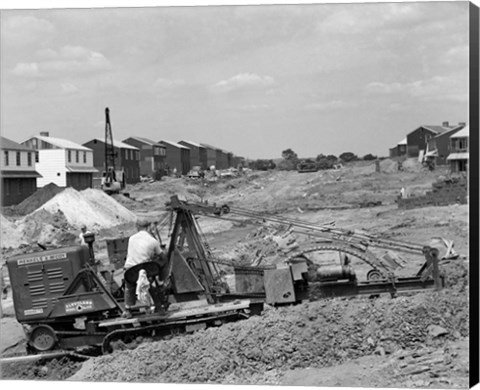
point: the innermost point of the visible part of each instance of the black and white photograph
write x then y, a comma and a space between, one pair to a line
268, 194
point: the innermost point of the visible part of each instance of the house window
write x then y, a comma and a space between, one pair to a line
462, 166
69, 156
462, 144
19, 160
77, 158
84, 157
29, 159
37, 157
20, 187
7, 187
5, 153
137, 155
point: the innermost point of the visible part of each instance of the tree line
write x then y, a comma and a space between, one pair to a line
290, 161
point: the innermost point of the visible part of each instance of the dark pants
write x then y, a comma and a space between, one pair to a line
130, 294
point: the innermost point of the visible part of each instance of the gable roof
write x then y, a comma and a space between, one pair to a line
144, 140
174, 144
116, 144
465, 132
453, 130
209, 146
60, 142
12, 145
197, 145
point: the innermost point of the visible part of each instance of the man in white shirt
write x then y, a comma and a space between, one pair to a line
81, 237
142, 247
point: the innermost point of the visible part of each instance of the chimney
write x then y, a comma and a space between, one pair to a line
445, 124
44, 134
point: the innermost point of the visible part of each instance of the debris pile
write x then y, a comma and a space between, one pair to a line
267, 245
315, 334
444, 192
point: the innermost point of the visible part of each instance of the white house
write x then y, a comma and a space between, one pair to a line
62, 162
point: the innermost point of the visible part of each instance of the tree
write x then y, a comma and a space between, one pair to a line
289, 154
290, 160
369, 157
348, 156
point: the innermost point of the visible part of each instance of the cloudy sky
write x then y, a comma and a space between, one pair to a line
254, 80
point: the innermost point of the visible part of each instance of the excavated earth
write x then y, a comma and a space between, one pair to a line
415, 340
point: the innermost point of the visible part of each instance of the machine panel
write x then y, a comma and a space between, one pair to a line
40, 277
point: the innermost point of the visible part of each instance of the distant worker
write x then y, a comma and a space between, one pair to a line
81, 237
142, 248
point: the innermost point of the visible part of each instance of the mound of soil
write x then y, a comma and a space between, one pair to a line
90, 207
316, 334
37, 199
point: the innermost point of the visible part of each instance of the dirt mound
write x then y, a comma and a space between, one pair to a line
316, 334
37, 199
90, 207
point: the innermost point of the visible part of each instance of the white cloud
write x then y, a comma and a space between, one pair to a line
330, 105
436, 88
67, 60
21, 30
168, 83
243, 81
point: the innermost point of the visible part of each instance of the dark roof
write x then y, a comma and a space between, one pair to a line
12, 145
451, 131
20, 174
144, 140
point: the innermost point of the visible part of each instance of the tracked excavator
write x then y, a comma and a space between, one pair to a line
65, 299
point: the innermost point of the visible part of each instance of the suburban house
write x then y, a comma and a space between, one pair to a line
400, 149
19, 176
417, 140
198, 154
216, 157
211, 152
152, 156
177, 159
438, 147
62, 162
127, 159
459, 151
222, 159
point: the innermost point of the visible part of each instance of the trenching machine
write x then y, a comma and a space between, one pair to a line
65, 299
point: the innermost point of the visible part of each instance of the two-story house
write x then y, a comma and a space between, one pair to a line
198, 154
18, 171
152, 156
177, 158
459, 151
438, 147
62, 162
127, 159
418, 139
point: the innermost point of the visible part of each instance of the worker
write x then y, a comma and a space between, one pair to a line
142, 248
81, 236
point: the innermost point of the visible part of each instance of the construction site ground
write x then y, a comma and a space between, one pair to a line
412, 340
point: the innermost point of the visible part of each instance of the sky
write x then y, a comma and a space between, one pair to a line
252, 80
